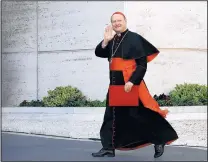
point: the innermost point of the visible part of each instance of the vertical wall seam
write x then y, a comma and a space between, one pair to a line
124, 7
1, 57
37, 50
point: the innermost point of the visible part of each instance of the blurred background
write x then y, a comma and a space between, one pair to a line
47, 44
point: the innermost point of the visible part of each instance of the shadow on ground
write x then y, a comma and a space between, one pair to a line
35, 148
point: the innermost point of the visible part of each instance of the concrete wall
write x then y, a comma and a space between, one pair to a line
0, 76
19, 52
50, 44
179, 30
0, 58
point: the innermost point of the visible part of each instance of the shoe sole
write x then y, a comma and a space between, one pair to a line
110, 155
158, 156
105, 155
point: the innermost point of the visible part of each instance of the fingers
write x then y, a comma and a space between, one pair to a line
109, 33
127, 88
108, 29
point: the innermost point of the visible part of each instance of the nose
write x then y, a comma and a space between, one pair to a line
117, 24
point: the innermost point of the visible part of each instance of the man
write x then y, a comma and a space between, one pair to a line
132, 118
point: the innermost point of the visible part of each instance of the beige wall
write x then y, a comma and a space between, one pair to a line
49, 44
170, 24
179, 30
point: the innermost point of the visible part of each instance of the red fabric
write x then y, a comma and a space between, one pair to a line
119, 13
118, 97
128, 66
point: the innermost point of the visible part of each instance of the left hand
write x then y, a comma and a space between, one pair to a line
128, 86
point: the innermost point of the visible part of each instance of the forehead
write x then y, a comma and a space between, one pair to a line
117, 17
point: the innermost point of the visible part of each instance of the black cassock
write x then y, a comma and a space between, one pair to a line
131, 127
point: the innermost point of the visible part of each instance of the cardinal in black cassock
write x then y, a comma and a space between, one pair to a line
132, 119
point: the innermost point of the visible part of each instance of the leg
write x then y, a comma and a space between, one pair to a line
106, 135
159, 137
106, 129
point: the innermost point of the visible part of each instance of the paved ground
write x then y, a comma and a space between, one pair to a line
36, 148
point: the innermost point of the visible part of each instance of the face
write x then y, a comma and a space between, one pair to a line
118, 23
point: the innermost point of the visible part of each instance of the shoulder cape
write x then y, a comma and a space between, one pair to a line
134, 46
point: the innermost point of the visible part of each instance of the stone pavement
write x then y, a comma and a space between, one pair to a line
37, 148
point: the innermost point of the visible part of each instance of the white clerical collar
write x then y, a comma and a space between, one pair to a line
119, 34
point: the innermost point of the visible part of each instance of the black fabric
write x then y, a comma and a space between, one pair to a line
133, 46
102, 52
116, 78
106, 130
134, 126
140, 71
128, 126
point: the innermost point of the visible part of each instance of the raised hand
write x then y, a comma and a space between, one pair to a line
108, 34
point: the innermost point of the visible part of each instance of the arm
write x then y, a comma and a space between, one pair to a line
138, 74
102, 50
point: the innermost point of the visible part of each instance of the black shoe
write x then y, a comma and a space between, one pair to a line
104, 152
159, 149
